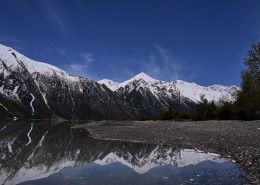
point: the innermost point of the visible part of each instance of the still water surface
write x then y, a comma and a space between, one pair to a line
49, 153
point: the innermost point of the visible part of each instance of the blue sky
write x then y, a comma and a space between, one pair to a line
202, 41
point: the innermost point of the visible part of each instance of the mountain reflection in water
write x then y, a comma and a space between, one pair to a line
45, 153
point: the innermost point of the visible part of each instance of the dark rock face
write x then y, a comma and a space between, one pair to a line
16, 86
84, 99
148, 104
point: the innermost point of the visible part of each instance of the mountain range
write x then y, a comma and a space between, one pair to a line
151, 96
32, 89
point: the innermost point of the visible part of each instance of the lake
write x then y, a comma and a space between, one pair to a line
45, 152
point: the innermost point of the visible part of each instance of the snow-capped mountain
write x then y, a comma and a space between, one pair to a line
34, 89
147, 95
144, 90
188, 90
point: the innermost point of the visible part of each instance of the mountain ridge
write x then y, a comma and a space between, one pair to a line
151, 97
35, 89
180, 84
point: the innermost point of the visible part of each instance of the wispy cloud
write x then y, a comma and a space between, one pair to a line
88, 57
55, 16
82, 66
61, 51
13, 42
10, 39
83, 63
163, 65
78, 67
60, 23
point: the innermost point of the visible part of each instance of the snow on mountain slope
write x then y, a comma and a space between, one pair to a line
159, 88
14, 59
211, 93
109, 83
115, 85
141, 81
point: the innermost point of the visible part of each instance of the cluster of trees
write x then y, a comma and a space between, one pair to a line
248, 100
203, 111
246, 106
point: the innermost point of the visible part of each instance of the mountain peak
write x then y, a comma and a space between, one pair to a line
144, 77
140, 76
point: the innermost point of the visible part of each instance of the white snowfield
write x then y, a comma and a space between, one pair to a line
188, 90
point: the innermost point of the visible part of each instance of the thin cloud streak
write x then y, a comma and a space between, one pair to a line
11, 39
82, 66
61, 51
163, 65
55, 16
88, 57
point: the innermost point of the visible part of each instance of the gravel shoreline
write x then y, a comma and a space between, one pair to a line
239, 140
